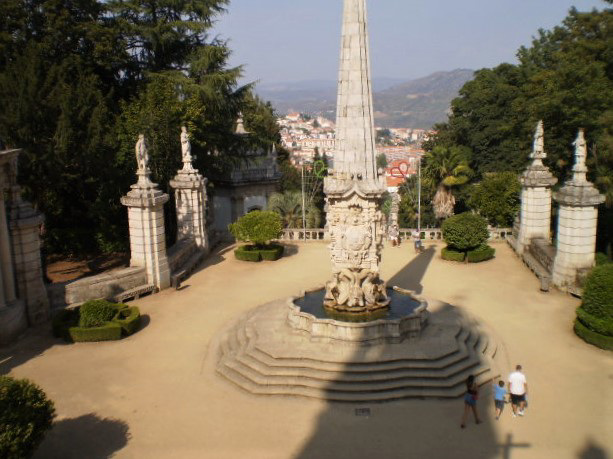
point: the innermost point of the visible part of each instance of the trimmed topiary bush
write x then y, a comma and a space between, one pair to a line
129, 320
124, 320
95, 313
452, 255
598, 292
257, 227
589, 336
595, 315
272, 252
110, 331
465, 232
26, 414
247, 253
482, 253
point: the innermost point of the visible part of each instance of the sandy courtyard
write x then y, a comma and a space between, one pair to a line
156, 395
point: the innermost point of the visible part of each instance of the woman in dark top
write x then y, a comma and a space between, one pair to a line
470, 400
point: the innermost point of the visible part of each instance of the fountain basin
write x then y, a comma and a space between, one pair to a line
406, 316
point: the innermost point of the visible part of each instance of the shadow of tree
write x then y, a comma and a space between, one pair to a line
35, 341
592, 451
87, 436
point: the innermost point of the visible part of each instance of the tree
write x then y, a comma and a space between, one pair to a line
465, 232
289, 206
25, 416
445, 168
258, 227
496, 198
381, 161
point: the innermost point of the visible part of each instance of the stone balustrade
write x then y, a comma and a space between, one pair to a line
427, 234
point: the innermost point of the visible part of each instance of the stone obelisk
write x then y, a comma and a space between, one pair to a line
355, 187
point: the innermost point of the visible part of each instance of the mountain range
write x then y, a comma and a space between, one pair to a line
416, 104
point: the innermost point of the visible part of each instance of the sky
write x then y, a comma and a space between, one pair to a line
298, 40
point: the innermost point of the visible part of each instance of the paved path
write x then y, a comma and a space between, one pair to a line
155, 395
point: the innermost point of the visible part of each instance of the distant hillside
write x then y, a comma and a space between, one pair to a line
415, 104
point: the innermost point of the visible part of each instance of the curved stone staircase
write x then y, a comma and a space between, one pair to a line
262, 354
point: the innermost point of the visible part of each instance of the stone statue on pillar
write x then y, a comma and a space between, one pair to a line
186, 150
355, 186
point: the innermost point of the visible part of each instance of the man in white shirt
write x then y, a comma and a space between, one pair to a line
518, 388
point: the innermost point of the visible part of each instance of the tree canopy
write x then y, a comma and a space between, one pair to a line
79, 80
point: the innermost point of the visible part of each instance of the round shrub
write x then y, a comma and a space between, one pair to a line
257, 227
465, 231
95, 313
25, 416
598, 292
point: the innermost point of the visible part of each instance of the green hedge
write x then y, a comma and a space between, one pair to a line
125, 320
95, 313
110, 331
483, 253
589, 336
129, 320
452, 255
26, 414
598, 292
247, 253
464, 232
272, 253
596, 324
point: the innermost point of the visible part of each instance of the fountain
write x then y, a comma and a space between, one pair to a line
355, 339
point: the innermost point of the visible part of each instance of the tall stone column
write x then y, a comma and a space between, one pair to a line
355, 187
536, 196
190, 198
145, 203
577, 221
26, 244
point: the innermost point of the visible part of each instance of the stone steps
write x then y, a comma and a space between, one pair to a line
244, 362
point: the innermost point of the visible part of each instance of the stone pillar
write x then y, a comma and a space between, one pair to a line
25, 231
190, 198
537, 181
578, 217
145, 203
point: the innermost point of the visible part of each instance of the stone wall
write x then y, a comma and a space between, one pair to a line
105, 285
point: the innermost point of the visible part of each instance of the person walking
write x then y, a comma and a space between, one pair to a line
394, 235
470, 401
518, 388
417, 241
499, 394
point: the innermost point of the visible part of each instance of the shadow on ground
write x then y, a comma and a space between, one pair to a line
592, 451
34, 342
411, 275
416, 427
87, 436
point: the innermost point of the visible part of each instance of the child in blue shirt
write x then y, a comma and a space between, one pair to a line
499, 393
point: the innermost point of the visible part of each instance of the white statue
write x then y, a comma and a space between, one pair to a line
142, 155
186, 150
580, 167
538, 150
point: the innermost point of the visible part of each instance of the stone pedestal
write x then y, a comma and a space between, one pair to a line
25, 231
578, 218
145, 205
535, 215
190, 199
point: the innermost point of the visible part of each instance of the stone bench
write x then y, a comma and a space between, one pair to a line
537, 268
186, 269
134, 293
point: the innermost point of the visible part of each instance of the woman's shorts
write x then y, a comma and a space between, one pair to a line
469, 400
